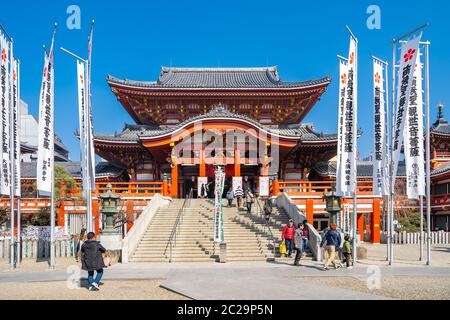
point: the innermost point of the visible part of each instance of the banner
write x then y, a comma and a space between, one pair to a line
218, 219
5, 188
380, 151
346, 222
46, 128
201, 181
349, 150
264, 187
237, 182
408, 60
16, 126
82, 120
343, 70
414, 143
90, 128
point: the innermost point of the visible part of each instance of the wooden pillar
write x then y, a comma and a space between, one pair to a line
376, 219
361, 226
165, 188
96, 215
237, 163
276, 188
61, 213
202, 163
310, 210
174, 185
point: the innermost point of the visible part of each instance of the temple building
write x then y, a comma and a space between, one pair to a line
211, 102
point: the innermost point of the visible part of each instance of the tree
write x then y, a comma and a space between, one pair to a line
42, 218
3, 217
65, 184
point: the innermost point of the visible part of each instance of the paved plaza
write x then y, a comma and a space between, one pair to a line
372, 279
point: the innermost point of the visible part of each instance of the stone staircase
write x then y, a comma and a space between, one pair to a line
246, 235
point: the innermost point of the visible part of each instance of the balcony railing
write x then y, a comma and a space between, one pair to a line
318, 188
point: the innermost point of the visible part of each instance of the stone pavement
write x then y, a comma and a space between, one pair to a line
240, 281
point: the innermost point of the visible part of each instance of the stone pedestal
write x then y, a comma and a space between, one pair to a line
223, 253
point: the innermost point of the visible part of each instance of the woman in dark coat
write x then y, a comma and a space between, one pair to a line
92, 260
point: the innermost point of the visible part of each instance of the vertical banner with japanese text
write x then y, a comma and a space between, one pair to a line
82, 120
408, 59
16, 126
349, 148
218, 218
343, 70
413, 140
5, 188
380, 151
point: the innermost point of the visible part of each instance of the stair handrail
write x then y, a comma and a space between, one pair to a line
171, 244
272, 236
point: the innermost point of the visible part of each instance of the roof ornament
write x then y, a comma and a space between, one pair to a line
440, 117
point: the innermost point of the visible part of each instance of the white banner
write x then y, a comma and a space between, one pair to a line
46, 128
82, 121
408, 60
90, 127
16, 126
237, 182
343, 75
5, 93
414, 143
380, 151
350, 129
218, 222
264, 187
201, 181
346, 220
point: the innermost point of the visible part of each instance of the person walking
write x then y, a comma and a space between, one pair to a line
331, 241
298, 242
288, 236
347, 251
92, 261
305, 240
80, 242
239, 194
249, 200
230, 197
267, 210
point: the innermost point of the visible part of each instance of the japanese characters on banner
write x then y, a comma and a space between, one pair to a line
16, 125
346, 220
90, 127
414, 144
264, 184
218, 222
82, 119
237, 182
343, 69
46, 128
408, 59
202, 181
5, 95
349, 148
380, 151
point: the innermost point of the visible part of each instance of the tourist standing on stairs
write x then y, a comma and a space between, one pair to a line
288, 236
305, 237
298, 242
230, 198
239, 194
249, 200
267, 210
331, 241
92, 260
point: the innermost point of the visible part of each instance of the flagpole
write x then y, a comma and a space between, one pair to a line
391, 165
19, 180
428, 145
52, 205
11, 154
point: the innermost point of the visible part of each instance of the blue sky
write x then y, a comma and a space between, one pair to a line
133, 39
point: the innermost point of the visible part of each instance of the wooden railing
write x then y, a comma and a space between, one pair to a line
131, 189
318, 188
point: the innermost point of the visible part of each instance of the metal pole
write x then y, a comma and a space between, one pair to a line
421, 229
19, 208
52, 195
355, 195
391, 169
11, 157
428, 145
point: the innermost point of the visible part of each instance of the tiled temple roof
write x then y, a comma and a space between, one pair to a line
133, 133
102, 169
219, 78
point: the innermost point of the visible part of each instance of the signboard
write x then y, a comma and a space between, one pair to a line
264, 190
202, 181
218, 222
237, 182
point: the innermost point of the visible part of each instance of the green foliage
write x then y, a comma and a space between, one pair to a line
42, 218
410, 222
3, 217
64, 182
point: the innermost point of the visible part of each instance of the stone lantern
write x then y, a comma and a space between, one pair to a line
110, 209
333, 205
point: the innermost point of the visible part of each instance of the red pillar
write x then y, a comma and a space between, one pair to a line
202, 164
237, 163
61, 212
165, 188
174, 186
376, 220
276, 188
310, 210
361, 226
96, 215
